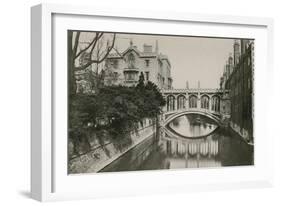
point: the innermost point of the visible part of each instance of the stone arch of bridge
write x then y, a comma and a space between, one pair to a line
201, 112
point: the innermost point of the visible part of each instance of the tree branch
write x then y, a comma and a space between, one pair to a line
97, 37
118, 52
94, 60
86, 48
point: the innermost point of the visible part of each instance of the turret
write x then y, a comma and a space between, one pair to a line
227, 69
236, 48
230, 62
244, 45
222, 83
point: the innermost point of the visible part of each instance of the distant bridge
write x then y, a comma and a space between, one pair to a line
207, 102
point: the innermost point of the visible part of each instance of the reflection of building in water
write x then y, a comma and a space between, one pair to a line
192, 153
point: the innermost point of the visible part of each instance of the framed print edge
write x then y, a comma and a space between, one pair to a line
43, 156
36, 103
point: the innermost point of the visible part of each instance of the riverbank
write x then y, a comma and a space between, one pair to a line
243, 135
228, 125
103, 154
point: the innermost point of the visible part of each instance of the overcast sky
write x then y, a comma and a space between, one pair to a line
192, 59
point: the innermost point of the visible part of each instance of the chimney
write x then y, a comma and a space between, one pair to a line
156, 47
187, 85
147, 48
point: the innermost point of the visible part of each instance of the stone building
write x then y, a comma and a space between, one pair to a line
125, 68
225, 103
238, 79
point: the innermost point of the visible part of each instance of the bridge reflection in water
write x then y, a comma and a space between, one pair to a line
192, 125
186, 143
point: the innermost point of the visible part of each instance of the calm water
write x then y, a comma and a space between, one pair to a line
189, 141
192, 126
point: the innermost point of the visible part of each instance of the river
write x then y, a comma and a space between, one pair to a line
189, 141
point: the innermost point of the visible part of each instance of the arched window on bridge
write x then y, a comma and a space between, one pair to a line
181, 102
205, 102
216, 103
192, 102
170, 103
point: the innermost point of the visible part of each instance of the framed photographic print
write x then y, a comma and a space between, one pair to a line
133, 102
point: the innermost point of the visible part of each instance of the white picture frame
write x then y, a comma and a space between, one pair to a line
48, 179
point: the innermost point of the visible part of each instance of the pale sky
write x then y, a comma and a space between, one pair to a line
192, 59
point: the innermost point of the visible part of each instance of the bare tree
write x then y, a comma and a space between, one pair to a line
97, 54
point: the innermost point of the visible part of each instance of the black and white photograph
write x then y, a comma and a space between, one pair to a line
149, 102
144, 103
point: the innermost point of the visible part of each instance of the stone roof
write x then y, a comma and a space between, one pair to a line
141, 54
164, 57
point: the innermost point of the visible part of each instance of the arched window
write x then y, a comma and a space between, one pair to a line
131, 60
192, 102
181, 102
216, 103
205, 102
170, 103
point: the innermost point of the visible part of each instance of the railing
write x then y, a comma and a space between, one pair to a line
207, 90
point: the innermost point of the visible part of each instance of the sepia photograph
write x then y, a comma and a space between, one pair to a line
147, 102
